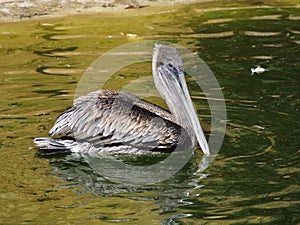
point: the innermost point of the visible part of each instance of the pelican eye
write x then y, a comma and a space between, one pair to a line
173, 69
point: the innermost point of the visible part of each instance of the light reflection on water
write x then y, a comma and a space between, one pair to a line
255, 177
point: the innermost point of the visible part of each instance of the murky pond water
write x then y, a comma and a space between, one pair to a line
253, 180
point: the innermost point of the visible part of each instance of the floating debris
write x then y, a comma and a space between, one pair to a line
258, 70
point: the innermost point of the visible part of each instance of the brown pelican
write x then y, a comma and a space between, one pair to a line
119, 122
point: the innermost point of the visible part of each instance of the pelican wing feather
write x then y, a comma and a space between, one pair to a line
108, 118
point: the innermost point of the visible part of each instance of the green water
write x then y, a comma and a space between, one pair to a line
253, 180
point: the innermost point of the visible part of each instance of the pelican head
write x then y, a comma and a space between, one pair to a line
168, 75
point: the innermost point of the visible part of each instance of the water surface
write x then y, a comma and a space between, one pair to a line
253, 180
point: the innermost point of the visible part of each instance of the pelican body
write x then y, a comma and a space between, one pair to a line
109, 121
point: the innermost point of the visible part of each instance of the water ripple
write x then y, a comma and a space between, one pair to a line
261, 34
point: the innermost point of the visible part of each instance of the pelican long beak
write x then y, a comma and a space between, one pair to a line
180, 97
192, 117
